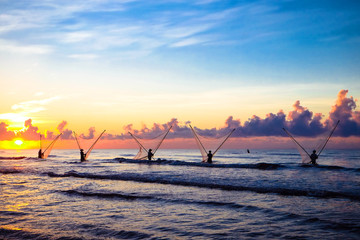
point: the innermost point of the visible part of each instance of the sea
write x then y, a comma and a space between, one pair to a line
264, 194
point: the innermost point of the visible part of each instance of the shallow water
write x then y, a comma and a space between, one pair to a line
264, 194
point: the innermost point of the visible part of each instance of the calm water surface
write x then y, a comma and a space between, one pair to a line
266, 194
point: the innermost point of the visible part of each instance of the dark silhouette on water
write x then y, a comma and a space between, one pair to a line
248, 151
82, 155
147, 152
40, 154
150, 154
209, 157
313, 157
85, 155
45, 153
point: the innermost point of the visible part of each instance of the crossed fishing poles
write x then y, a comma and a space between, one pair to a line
322, 148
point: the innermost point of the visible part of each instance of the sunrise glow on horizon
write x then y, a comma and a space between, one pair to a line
140, 66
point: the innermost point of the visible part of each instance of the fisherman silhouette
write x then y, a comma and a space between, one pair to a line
209, 155
40, 154
150, 154
82, 155
313, 157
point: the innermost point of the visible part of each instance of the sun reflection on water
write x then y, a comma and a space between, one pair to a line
11, 228
16, 207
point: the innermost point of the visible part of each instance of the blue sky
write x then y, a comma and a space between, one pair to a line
143, 62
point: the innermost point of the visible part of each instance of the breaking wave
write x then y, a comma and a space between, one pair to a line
9, 171
105, 195
13, 158
227, 187
259, 166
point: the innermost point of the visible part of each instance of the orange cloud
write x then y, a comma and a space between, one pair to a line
4, 133
265, 131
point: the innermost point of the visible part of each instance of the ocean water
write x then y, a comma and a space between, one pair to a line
266, 194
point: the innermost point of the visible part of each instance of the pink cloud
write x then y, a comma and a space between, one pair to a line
344, 110
269, 126
303, 122
66, 133
90, 134
300, 121
4, 133
30, 133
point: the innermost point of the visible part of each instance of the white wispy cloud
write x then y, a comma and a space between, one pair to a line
14, 117
114, 26
190, 41
203, 2
28, 109
11, 22
12, 47
186, 31
83, 56
33, 106
79, 36
219, 16
64, 24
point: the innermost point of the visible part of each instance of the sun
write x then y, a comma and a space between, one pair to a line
18, 142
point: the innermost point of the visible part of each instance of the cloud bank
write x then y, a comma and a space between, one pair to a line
300, 121
4, 133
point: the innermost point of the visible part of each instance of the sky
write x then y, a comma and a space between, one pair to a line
142, 66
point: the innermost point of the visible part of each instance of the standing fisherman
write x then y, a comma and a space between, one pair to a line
150, 154
313, 157
210, 156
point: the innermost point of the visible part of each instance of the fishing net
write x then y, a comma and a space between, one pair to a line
207, 143
46, 152
87, 153
306, 146
145, 144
